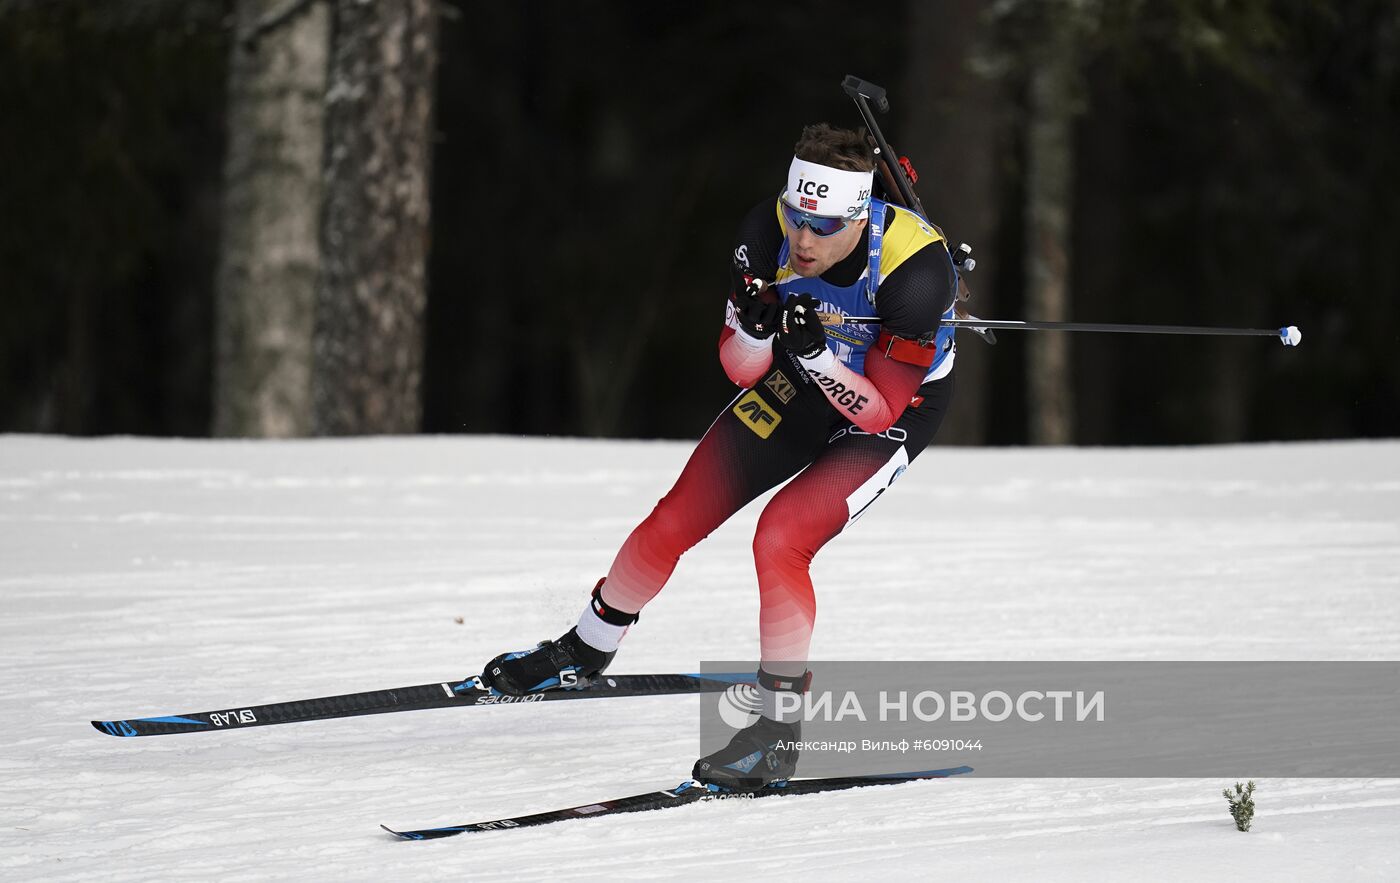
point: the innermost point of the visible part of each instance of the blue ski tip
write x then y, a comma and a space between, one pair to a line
173, 720
125, 729
422, 835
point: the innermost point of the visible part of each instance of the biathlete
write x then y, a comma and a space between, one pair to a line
845, 408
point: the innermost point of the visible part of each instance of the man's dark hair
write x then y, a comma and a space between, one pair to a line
846, 149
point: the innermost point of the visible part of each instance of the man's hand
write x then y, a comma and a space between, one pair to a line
800, 327
757, 316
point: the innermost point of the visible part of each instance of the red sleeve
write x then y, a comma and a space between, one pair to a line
873, 402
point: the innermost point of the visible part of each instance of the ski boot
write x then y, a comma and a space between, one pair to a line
763, 753
568, 663
564, 664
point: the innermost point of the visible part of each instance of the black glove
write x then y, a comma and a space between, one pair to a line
800, 328
757, 316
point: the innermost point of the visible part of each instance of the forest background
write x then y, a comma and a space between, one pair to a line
330, 217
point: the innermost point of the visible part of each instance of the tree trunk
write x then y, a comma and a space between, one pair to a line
950, 134
269, 254
1049, 183
374, 230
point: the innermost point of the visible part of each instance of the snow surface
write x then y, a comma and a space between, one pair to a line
149, 577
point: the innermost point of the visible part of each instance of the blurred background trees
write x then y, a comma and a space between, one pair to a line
269, 253
371, 296
585, 166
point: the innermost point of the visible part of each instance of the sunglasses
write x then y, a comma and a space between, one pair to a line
821, 225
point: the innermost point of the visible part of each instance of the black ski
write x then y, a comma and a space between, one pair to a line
470, 692
687, 792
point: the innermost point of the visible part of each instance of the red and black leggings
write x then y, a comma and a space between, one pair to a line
771, 432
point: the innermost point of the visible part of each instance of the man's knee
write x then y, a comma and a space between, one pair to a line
783, 541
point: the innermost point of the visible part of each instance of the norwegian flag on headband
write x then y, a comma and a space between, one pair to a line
808, 204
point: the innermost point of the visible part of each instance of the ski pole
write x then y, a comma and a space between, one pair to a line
1290, 335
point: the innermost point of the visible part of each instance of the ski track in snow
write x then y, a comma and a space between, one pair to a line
142, 577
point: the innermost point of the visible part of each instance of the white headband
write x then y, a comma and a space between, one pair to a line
822, 190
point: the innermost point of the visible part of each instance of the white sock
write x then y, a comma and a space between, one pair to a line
598, 634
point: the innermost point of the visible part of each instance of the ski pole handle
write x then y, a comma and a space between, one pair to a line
1290, 335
